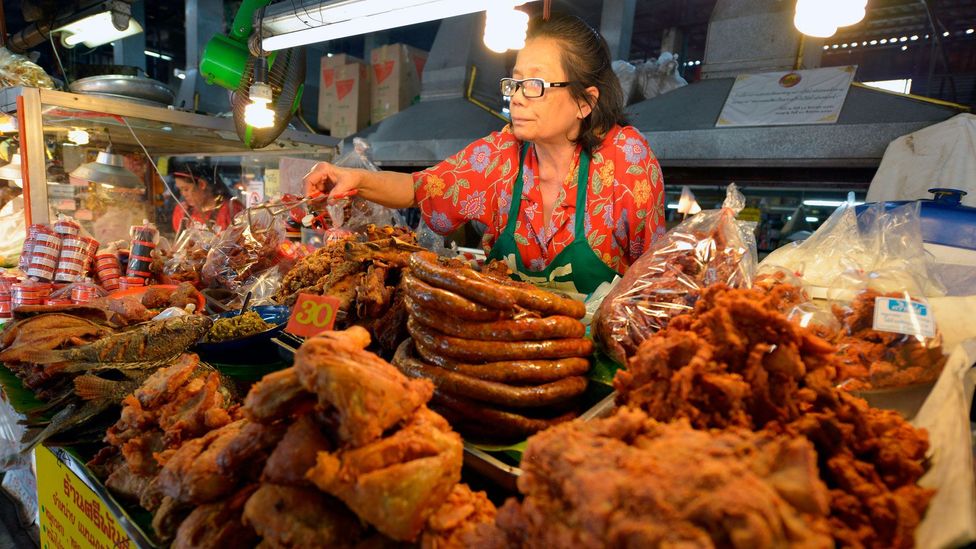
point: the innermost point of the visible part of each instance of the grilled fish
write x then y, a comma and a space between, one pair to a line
146, 345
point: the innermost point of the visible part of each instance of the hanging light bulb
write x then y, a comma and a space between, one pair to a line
78, 137
256, 113
505, 29
821, 18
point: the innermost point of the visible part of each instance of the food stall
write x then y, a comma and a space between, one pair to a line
384, 389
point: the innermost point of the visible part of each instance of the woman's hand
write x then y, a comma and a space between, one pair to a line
332, 180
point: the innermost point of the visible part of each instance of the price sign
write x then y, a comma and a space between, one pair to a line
312, 315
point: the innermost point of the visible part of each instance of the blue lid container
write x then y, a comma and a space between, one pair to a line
944, 219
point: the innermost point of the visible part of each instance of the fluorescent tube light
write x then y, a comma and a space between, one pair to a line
354, 17
95, 30
828, 203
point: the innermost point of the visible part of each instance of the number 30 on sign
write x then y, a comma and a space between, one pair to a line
312, 315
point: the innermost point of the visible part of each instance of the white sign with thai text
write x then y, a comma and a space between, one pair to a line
787, 98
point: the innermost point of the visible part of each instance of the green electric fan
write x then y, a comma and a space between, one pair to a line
263, 83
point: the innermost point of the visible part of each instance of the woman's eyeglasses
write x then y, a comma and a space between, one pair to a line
531, 87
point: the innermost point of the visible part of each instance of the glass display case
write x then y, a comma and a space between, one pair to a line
108, 162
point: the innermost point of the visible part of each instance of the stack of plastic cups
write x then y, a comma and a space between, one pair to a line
6, 310
29, 292
84, 292
140, 257
65, 226
127, 282
107, 269
45, 254
75, 259
25, 254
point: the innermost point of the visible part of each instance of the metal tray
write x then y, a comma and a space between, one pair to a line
118, 86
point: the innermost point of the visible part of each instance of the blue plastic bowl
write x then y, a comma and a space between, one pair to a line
253, 349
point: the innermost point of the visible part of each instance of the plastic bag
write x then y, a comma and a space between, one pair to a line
355, 214
17, 70
888, 336
246, 248
627, 74
711, 247
189, 255
262, 288
873, 241
659, 76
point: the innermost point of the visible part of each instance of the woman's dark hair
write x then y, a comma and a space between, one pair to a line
586, 60
203, 172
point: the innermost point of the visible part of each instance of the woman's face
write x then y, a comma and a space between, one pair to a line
555, 117
194, 193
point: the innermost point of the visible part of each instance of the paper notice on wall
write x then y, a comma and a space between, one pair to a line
255, 193
787, 98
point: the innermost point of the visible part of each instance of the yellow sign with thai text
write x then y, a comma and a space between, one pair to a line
72, 515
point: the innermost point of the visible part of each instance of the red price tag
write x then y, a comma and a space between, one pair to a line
312, 314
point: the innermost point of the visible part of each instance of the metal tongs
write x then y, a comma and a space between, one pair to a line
279, 207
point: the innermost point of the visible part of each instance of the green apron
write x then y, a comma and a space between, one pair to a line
575, 269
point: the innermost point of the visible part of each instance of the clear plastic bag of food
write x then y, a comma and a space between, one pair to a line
189, 255
244, 249
711, 247
355, 214
17, 70
876, 239
262, 288
887, 335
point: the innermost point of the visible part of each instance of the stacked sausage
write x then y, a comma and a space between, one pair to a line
507, 359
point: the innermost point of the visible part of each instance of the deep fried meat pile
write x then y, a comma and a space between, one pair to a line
874, 359
364, 276
737, 362
668, 279
358, 440
175, 405
629, 481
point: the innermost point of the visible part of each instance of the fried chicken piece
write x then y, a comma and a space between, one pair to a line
369, 394
199, 407
397, 482
287, 516
276, 396
191, 473
296, 453
167, 517
661, 485
460, 514
218, 524
205, 469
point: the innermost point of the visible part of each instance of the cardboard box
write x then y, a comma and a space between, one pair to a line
397, 69
351, 111
327, 95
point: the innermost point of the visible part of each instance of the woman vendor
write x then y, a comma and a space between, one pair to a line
205, 200
570, 194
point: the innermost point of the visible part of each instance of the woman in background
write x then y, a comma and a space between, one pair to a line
207, 201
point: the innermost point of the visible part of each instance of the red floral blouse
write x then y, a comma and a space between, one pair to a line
625, 200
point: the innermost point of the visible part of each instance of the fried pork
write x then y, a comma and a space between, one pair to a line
738, 362
629, 481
